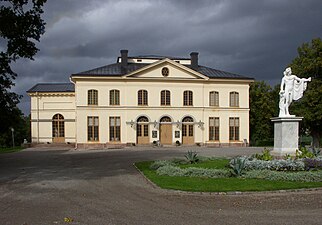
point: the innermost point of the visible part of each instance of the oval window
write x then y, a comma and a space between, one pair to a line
165, 71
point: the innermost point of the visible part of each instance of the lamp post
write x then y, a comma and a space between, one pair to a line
13, 137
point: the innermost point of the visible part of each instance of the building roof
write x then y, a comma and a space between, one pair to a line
157, 57
116, 69
52, 87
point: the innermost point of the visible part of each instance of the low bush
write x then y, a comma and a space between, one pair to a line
160, 163
300, 176
172, 171
266, 155
313, 163
279, 165
304, 153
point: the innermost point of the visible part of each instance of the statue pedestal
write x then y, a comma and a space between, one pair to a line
286, 135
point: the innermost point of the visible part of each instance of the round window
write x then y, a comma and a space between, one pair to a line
165, 71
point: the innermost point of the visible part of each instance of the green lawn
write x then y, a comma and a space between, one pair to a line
195, 184
8, 150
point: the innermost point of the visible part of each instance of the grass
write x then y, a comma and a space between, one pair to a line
196, 184
10, 150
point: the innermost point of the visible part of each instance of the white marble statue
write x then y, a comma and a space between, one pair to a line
292, 88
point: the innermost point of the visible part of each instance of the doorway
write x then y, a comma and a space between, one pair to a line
187, 131
58, 129
165, 131
142, 131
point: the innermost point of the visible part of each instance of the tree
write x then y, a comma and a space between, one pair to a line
308, 63
21, 26
262, 108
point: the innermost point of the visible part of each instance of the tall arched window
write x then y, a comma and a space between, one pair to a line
187, 98
214, 98
58, 128
234, 99
165, 97
142, 97
114, 97
92, 97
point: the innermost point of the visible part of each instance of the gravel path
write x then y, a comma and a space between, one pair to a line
44, 186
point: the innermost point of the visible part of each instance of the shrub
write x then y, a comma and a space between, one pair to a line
304, 153
160, 163
192, 157
280, 165
170, 170
238, 165
266, 155
178, 143
301, 176
316, 151
313, 163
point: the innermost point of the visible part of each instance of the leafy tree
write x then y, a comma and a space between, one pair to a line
20, 27
308, 63
262, 108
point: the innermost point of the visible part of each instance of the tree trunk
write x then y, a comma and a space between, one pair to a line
316, 138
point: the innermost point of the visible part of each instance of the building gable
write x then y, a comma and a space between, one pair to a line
167, 69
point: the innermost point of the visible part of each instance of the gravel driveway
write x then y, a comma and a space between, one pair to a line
44, 186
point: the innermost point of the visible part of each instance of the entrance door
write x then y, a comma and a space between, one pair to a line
142, 131
165, 131
187, 131
58, 131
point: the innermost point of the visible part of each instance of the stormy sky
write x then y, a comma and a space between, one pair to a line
248, 37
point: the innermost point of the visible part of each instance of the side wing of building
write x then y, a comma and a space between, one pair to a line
53, 113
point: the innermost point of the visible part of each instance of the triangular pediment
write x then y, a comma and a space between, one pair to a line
157, 71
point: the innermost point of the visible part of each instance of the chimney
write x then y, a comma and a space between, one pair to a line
124, 58
194, 60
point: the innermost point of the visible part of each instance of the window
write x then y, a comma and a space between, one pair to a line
58, 126
143, 127
213, 98
142, 97
187, 127
115, 128
233, 128
92, 128
114, 97
187, 98
165, 71
213, 128
92, 97
234, 99
165, 97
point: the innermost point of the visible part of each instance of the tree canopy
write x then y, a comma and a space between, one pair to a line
262, 108
21, 26
308, 63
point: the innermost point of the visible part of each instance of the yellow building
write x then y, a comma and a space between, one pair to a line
144, 100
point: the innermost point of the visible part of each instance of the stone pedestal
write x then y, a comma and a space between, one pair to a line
286, 135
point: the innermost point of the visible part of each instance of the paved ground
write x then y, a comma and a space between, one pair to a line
43, 186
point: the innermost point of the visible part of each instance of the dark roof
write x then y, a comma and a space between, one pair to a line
117, 70
53, 87
157, 57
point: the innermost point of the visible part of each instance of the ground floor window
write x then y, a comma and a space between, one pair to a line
233, 128
213, 128
92, 128
115, 128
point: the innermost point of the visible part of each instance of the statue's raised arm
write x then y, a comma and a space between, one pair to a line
292, 88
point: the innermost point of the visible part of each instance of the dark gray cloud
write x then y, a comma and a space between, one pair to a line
254, 38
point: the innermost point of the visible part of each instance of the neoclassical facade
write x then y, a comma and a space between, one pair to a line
143, 99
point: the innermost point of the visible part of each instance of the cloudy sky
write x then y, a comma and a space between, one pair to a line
257, 38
